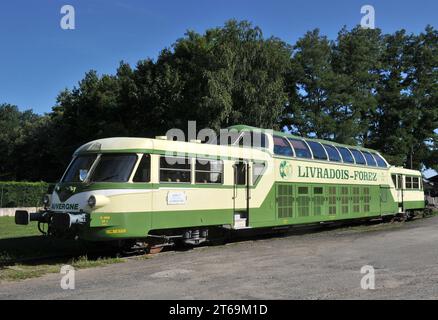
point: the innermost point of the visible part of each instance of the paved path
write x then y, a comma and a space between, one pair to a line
317, 265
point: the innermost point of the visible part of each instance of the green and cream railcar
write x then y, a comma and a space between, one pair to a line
133, 188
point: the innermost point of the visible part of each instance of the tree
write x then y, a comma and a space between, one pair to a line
309, 112
408, 114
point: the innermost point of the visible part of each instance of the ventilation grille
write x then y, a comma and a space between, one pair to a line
344, 200
332, 200
285, 201
356, 200
366, 199
303, 201
318, 201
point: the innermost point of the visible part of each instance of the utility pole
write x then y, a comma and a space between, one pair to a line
412, 154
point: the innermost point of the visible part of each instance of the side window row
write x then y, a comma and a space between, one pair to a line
291, 147
410, 182
178, 170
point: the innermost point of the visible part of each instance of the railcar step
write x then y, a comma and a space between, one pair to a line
239, 223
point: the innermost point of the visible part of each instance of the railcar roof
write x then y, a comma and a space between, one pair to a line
122, 144
288, 135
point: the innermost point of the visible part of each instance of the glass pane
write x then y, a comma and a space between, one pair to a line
358, 156
208, 171
346, 155
245, 140
370, 159
282, 147
208, 177
408, 182
80, 163
169, 162
253, 139
114, 168
176, 176
332, 153
258, 169
302, 190
143, 173
240, 173
415, 183
175, 169
301, 149
318, 190
394, 180
380, 162
317, 150
209, 165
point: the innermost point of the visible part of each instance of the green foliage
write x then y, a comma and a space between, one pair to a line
364, 87
22, 194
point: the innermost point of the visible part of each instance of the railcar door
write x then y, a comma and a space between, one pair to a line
241, 194
398, 183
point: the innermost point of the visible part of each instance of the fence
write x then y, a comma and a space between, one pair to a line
22, 194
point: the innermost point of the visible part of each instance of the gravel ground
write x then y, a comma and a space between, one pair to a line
314, 265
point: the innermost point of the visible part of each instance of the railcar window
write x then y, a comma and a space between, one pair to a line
346, 155
415, 183
282, 147
399, 181
333, 153
143, 173
259, 140
208, 171
408, 182
245, 140
253, 139
301, 149
175, 169
317, 150
370, 159
358, 156
380, 162
79, 163
258, 169
240, 173
114, 168
394, 180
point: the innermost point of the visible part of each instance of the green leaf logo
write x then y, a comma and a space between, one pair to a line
285, 170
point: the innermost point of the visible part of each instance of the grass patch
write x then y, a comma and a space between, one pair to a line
25, 271
25, 253
8, 229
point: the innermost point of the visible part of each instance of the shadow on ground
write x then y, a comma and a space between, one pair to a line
37, 249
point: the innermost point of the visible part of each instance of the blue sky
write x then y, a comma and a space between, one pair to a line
38, 59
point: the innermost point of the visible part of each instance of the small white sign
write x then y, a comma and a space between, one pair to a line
176, 198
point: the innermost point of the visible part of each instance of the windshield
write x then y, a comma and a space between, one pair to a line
114, 168
80, 164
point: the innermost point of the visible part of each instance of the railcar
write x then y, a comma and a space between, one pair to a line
160, 190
